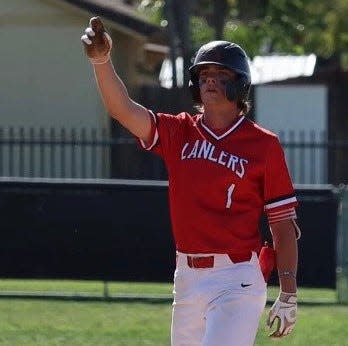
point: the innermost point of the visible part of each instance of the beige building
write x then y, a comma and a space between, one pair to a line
46, 80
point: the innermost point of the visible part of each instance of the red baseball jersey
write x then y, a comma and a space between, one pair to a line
221, 182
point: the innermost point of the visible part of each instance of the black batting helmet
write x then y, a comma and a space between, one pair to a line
230, 56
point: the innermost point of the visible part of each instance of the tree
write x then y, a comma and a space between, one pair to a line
175, 17
264, 26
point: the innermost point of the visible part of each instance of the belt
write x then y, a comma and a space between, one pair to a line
208, 261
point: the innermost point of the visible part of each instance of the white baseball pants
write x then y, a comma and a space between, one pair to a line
218, 306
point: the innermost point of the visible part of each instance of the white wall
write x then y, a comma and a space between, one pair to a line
297, 113
46, 80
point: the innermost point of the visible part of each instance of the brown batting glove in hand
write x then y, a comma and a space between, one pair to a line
283, 312
97, 42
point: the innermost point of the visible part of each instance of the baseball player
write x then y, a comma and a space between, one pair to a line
224, 172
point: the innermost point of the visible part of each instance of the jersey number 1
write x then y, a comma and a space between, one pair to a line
229, 195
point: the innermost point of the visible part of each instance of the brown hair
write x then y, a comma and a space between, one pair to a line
244, 106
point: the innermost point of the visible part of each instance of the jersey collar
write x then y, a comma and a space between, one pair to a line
226, 133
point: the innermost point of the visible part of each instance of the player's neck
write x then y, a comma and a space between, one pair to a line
220, 118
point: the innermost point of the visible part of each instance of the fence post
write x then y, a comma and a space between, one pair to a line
21, 151
31, 152
83, 152
105, 290
11, 136
342, 247
94, 152
1, 152
42, 151
62, 152
52, 152
73, 154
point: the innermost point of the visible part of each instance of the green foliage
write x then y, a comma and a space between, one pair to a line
283, 26
246, 36
304, 26
153, 10
200, 32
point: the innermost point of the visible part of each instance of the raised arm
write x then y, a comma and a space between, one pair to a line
133, 116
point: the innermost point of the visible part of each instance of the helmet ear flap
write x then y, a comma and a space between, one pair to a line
237, 90
194, 89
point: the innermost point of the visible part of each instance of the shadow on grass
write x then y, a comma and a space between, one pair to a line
125, 298
120, 298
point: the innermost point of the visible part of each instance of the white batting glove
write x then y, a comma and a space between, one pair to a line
97, 42
283, 310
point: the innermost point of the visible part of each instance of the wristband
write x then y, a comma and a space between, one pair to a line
289, 273
290, 298
100, 61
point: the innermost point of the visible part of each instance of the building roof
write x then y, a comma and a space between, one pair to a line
265, 69
120, 13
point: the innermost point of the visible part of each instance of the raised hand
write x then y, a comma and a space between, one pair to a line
97, 42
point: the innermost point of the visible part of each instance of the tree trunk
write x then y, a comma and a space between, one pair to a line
220, 10
173, 37
179, 17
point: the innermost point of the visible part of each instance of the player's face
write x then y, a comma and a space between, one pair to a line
212, 83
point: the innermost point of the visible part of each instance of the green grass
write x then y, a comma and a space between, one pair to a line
88, 287
119, 288
316, 326
39, 322
29, 323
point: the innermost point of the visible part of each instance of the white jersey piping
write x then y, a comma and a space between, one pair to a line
280, 203
155, 137
224, 134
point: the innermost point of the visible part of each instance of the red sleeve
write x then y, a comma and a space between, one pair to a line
164, 132
279, 193
153, 136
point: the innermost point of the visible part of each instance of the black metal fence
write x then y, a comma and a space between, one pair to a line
94, 153
55, 153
